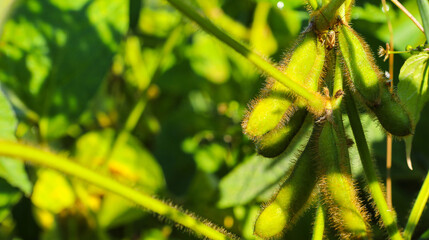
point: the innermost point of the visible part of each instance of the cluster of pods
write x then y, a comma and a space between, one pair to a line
336, 63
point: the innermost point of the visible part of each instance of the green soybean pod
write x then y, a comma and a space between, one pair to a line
274, 142
362, 74
339, 196
368, 82
392, 115
274, 119
290, 201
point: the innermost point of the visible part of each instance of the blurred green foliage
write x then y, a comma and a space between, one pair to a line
136, 92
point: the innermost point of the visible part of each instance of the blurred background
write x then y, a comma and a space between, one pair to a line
135, 91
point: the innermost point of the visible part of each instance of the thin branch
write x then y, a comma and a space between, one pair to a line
315, 101
417, 210
389, 136
374, 185
38, 157
403, 9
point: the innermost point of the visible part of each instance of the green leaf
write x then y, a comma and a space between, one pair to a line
57, 53
129, 162
11, 170
424, 13
208, 58
261, 36
157, 22
258, 176
52, 192
412, 90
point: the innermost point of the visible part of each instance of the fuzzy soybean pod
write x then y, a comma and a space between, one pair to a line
362, 74
293, 197
338, 193
392, 115
365, 79
276, 116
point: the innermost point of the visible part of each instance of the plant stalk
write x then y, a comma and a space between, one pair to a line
389, 136
417, 210
38, 157
327, 16
409, 15
374, 185
314, 100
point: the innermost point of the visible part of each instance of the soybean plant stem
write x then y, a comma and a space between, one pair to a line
328, 15
374, 185
412, 18
389, 136
38, 157
417, 210
314, 100
143, 98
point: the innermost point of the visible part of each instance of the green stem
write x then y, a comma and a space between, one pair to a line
36, 156
397, 52
140, 106
314, 100
417, 210
327, 15
319, 223
368, 167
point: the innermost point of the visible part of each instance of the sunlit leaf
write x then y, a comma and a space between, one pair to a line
208, 58
261, 36
52, 192
56, 54
158, 22
412, 90
129, 162
137, 74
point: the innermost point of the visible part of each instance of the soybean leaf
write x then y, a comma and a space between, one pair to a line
56, 54
424, 13
52, 192
412, 90
209, 59
261, 36
258, 176
129, 162
11, 170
